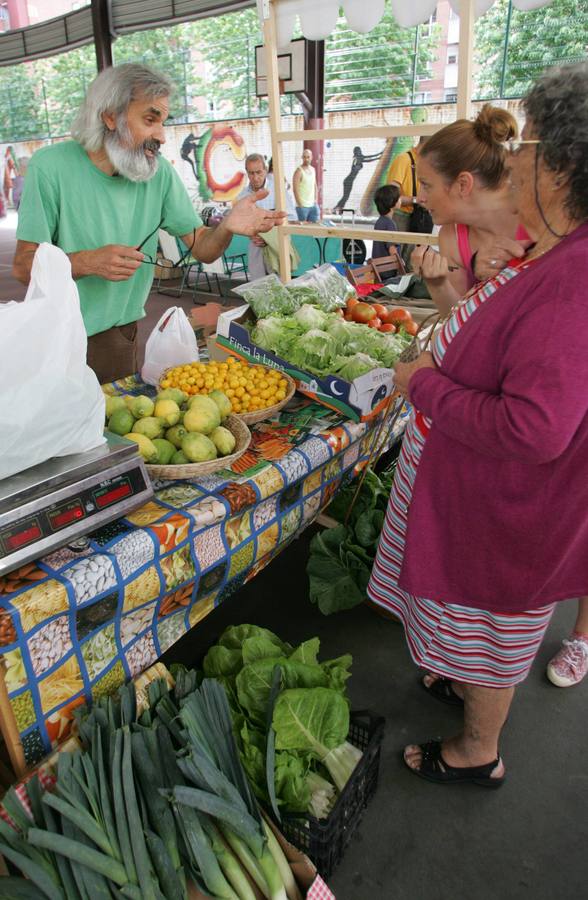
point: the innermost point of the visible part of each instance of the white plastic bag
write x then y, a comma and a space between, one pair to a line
171, 343
50, 401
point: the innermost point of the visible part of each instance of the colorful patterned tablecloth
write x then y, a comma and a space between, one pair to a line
78, 623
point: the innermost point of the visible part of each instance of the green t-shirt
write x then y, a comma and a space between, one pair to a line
69, 202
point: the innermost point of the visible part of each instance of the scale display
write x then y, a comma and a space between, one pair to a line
58, 516
61, 515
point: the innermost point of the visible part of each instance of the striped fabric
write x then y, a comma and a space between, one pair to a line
459, 642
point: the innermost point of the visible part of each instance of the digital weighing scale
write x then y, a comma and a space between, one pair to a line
55, 503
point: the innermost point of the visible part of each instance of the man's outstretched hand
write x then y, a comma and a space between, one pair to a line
248, 219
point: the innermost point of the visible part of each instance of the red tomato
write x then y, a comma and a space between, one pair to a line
380, 310
388, 327
362, 312
352, 302
398, 315
410, 327
348, 317
375, 322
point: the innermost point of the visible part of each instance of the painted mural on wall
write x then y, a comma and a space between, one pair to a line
216, 159
209, 158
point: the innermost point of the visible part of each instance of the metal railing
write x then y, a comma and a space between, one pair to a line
389, 67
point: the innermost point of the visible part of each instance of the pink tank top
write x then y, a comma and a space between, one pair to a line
462, 233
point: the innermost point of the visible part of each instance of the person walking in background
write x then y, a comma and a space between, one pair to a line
18, 180
387, 200
10, 170
305, 190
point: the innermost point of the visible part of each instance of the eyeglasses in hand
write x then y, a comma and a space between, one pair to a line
162, 262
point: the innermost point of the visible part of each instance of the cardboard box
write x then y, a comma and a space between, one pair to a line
359, 400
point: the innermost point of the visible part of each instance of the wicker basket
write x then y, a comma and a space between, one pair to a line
259, 415
193, 470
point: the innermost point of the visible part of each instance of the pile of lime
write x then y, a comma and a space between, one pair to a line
173, 429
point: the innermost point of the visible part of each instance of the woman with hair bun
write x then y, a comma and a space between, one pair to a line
464, 184
487, 524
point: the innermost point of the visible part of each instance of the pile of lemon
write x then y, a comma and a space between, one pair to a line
248, 387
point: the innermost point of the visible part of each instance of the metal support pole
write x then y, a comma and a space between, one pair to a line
275, 119
314, 115
505, 53
415, 55
102, 36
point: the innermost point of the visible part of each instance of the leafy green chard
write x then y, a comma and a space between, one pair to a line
317, 720
299, 778
341, 558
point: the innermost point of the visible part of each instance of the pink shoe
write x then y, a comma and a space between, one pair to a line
570, 664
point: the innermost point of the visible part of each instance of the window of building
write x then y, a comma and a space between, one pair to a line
450, 97
422, 97
451, 54
427, 26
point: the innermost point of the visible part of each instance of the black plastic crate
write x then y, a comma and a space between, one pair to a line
325, 840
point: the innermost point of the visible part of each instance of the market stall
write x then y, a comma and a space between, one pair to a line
81, 621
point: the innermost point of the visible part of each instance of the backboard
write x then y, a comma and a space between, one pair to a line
291, 68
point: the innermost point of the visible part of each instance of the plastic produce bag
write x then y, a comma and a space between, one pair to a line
332, 289
50, 401
267, 296
171, 343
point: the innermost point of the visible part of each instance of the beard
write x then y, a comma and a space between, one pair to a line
130, 160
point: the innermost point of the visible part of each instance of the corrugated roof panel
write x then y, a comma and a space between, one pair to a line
41, 39
75, 29
136, 15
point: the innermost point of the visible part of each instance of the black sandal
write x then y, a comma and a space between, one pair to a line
434, 768
441, 690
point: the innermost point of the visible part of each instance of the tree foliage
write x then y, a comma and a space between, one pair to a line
377, 68
20, 111
225, 62
550, 36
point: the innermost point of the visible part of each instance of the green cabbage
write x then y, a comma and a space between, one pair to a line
357, 365
310, 317
276, 334
314, 351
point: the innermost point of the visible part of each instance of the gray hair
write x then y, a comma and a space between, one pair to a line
255, 157
112, 91
557, 107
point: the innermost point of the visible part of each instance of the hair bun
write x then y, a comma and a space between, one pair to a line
494, 125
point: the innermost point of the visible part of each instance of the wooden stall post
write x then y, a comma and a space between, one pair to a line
273, 96
9, 728
465, 67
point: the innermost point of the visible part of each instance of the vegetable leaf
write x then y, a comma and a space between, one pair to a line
315, 720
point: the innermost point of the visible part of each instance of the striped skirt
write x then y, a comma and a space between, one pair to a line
462, 643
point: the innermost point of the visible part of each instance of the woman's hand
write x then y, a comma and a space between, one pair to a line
491, 260
429, 264
403, 372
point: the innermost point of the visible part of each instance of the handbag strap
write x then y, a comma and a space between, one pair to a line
413, 169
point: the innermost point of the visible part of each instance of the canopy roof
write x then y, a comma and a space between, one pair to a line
317, 20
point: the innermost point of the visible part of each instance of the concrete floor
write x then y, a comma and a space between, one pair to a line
419, 841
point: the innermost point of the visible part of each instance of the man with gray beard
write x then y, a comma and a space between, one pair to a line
102, 198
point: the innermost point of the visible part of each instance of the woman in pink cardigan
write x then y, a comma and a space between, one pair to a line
487, 526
